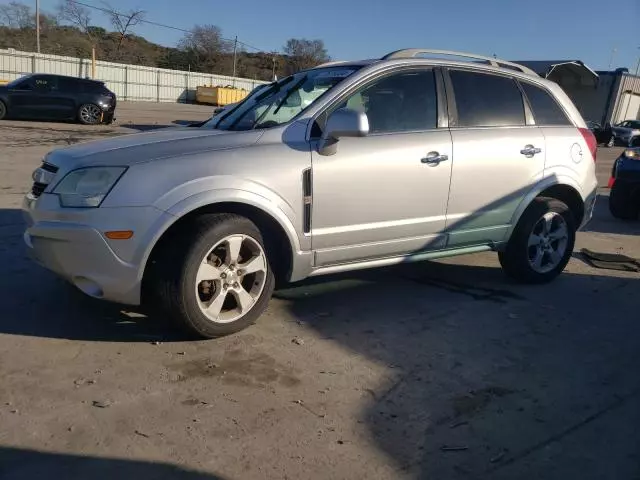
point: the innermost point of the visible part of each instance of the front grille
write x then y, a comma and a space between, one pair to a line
45, 172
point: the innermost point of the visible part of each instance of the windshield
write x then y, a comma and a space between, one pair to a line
16, 81
281, 101
629, 124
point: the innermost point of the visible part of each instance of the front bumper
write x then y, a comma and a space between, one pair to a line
81, 255
71, 243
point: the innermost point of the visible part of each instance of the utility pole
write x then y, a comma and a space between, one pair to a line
273, 71
235, 49
38, 25
613, 54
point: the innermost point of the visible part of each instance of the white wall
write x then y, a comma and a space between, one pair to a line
128, 82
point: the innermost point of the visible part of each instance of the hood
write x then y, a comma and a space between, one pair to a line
144, 147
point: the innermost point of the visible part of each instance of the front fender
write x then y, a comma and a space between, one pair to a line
285, 217
279, 211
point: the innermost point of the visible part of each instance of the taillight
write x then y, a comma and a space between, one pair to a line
590, 138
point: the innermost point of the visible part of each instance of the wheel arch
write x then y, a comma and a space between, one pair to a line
279, 234
563, 189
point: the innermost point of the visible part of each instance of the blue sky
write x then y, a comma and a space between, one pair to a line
512, 29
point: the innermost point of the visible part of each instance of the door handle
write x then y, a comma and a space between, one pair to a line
434, 158
529, 151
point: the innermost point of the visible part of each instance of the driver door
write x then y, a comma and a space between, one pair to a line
379, 196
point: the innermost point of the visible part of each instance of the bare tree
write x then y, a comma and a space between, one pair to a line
303, 53
77, 15
123, 22
17, 15
204, 45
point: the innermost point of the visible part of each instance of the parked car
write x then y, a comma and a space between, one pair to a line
625, 131
56, 97
336, 168
604, 135
624, 198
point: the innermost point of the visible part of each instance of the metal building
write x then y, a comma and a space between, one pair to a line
600, 96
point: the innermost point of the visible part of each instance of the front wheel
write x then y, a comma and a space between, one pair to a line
216, 278
89, 114
542, 242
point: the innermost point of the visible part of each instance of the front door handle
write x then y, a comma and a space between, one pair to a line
529, 151
434, 158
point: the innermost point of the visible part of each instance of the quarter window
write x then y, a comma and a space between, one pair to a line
485, 100
402, 102
546, 110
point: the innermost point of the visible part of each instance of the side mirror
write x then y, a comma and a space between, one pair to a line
344, 122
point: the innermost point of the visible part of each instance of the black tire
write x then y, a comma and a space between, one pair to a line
89, 120
3, 110
622, 204
176, 269
515, 258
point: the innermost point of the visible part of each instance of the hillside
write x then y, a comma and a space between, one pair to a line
70, 41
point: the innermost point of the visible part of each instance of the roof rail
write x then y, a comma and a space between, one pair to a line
496, 62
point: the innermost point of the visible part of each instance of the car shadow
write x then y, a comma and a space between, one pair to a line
18, 463
476, 371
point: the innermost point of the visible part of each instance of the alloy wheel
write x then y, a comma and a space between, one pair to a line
231, 278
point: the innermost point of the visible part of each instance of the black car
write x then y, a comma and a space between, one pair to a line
56, 97
624, 199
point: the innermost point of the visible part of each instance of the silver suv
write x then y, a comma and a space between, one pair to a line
346, 166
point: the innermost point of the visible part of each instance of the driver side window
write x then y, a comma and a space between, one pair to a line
400, 102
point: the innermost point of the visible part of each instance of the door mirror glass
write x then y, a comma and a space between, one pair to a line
344, 122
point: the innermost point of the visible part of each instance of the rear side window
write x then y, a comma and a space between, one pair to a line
93, 87
67, 85
487, 100
546, 110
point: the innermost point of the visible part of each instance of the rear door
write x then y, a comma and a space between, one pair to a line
35, 97
498, 155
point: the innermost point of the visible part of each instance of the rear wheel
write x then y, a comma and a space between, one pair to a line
89, 114
216, 279
621, 202
3, 110
542, 242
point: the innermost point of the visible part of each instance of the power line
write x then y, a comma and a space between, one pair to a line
162, 25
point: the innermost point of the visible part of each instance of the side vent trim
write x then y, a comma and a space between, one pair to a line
307, 200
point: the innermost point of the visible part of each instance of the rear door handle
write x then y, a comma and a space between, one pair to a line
529, 151
434, 158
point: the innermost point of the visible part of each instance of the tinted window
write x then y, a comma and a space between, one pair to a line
546, 110
93, 87
68, 85
402, 102
487, 100
45, 83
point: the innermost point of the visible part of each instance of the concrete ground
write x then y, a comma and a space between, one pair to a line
442, 370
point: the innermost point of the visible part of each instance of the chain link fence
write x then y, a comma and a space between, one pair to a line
128, 82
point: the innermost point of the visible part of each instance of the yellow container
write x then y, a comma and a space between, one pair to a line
219, 95
3, 82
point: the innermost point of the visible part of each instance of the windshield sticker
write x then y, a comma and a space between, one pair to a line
335, 74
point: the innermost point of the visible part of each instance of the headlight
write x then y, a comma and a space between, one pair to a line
87, 187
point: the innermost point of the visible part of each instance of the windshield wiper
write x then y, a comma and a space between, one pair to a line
276, 86
291, 90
